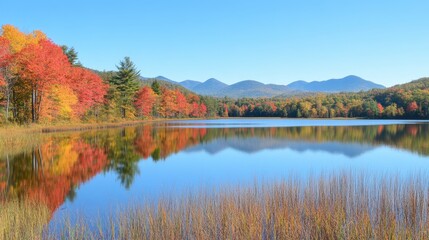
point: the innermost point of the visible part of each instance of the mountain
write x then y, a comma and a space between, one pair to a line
422, 83
255, 144
164, 82
162, 78
210, 87
347, 84
252, 88
189, 84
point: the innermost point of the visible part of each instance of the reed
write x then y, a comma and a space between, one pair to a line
22, 220
338, 206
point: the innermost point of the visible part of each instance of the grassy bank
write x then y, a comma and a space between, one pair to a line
344, 206
39, 128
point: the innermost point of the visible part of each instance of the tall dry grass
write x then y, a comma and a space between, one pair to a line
22, 220
340, 206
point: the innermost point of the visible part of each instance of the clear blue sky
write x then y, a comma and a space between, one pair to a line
269, 41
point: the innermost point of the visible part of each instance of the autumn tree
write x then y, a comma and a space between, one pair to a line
19, 40
13, 41
182, 104
126, 84
41, 66
391, 111
168, 105
5, 71
144, 102
89, 89
59, 104
380, 109
412, 108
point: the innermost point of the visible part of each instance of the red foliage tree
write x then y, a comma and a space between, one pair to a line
195, 109
203, 110
412, 107
145, 101
380, 108
88, 87
182, 104
5, 56
225, 110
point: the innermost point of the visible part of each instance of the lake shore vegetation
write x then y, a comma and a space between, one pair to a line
330, 206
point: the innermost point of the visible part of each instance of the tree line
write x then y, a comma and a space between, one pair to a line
409, 101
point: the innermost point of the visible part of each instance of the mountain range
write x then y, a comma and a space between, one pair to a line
252, 88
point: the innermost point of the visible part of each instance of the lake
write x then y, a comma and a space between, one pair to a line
94, 172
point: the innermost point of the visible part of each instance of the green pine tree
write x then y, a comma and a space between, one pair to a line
71, 55
126, 82
156, 88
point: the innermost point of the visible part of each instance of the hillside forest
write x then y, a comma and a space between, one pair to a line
42, 82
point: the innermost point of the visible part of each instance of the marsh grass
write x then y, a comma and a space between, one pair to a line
22, 220
338, 206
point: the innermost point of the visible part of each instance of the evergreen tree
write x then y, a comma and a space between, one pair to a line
156, 88
71, 55
126, 83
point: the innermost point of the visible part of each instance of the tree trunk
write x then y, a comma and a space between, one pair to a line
33, 105
39, 104
7, 105
14, 111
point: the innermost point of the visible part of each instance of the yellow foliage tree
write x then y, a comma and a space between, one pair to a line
59, 104
18, 40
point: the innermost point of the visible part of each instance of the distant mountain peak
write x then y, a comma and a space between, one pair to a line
212, 80
164, 79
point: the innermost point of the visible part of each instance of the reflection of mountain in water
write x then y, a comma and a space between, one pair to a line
252, 145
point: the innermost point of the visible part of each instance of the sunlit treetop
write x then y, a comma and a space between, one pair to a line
18, 40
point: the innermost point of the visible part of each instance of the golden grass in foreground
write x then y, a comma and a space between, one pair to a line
344, 206
22, 220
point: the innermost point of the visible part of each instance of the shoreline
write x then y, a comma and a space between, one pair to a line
41, 128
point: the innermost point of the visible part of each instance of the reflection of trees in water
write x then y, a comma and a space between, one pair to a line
52, 171
411, 137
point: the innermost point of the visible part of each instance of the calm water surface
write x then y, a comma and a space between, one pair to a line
97, 171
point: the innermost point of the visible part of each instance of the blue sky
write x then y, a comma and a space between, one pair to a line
269, 41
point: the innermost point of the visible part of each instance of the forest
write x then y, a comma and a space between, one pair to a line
42, 82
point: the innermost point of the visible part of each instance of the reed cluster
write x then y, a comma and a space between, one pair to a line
339, 206
22, 220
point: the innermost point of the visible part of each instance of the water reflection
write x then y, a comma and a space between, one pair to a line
50, 171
